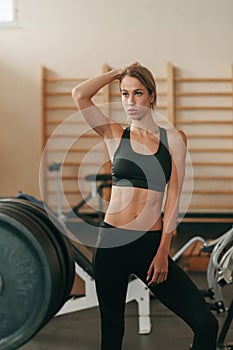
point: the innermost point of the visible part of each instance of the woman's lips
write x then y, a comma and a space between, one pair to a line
132, 110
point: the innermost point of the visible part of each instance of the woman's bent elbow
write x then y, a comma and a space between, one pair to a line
78, 97
76, 94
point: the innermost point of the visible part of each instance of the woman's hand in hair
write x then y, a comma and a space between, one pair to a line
124, 70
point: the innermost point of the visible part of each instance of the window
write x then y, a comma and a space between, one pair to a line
8, 12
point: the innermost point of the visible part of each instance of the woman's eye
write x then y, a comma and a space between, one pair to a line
138, 93
124, 94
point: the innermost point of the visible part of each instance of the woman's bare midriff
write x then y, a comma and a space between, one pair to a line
134, 208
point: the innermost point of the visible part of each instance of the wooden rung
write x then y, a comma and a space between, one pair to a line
115, 94
161, 80
209, 136
206, 220
86, 135
66, 121
72, 204
80, 150
212, 164
204, 108
67, 178
210, 150
64, 178
68, 192
206, 192
208, 122
63, 93
161, 107
203, 80
194, 94
56, 80
76, 164
60, 108
75, 192
58, 94
224, 164
211, 178
205, 206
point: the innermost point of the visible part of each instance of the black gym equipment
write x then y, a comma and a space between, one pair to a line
224, 330
36, 271
225, 273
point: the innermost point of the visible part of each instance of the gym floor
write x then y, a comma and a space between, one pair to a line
80, 330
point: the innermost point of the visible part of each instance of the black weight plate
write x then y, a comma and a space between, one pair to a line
26, 283
35, 217
57, 229
64, 242
50, 252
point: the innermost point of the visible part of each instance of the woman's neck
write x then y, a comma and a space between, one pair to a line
146, 124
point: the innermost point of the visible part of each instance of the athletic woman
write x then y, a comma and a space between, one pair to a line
148, 167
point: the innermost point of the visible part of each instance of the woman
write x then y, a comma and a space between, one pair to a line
134, 239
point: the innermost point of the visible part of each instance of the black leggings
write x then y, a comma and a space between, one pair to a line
112, 268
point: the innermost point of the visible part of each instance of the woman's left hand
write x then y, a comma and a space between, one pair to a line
158, 270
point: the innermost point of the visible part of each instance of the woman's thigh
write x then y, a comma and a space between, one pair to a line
111, 278
181, 295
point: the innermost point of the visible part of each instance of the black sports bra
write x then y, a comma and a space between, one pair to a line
132, 169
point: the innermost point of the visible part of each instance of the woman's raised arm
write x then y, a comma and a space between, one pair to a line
82, 95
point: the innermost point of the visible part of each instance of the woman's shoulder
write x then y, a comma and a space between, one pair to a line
183, 136
177, 139
175, 134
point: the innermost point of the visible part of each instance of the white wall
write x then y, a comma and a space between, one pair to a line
76, 37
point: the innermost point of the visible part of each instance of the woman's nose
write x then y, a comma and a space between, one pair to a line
131, 100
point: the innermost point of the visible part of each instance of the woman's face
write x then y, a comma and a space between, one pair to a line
135, 97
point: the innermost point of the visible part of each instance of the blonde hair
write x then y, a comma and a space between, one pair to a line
145, 77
